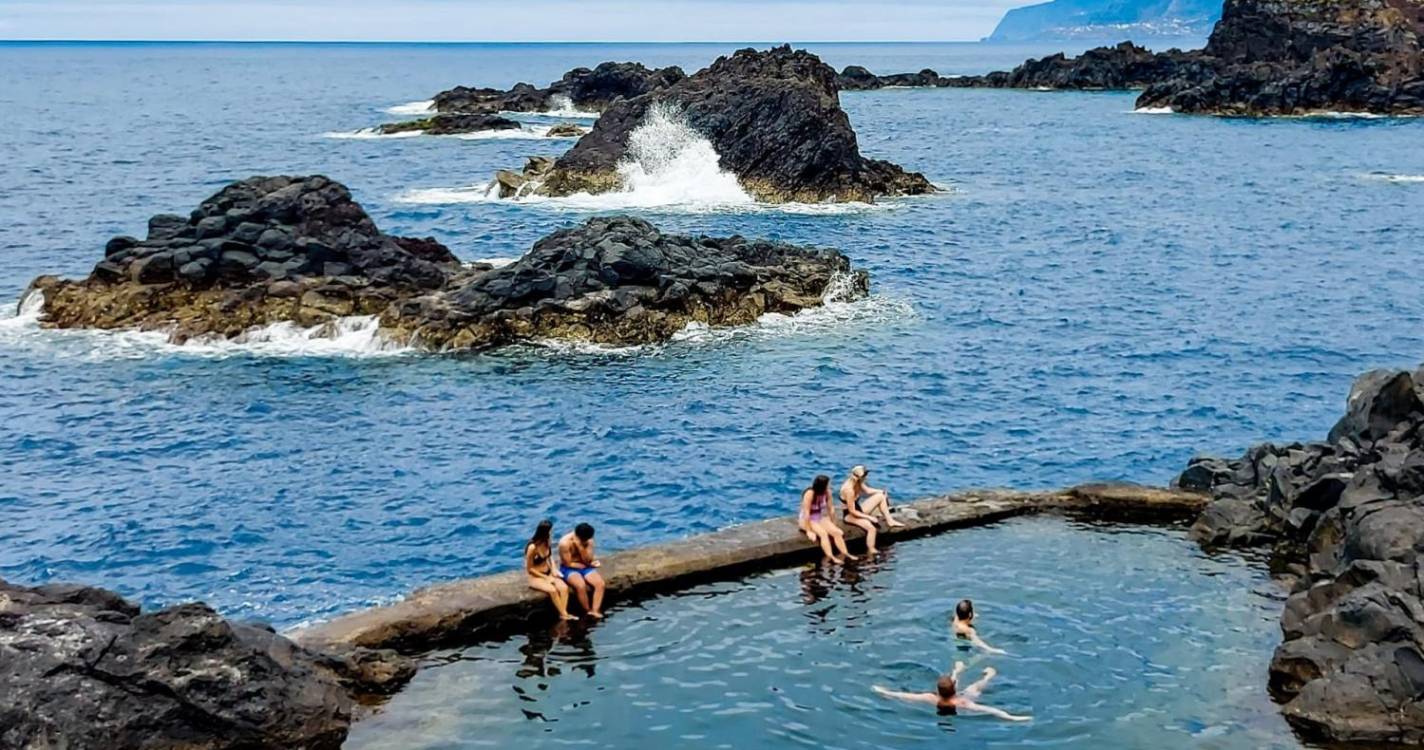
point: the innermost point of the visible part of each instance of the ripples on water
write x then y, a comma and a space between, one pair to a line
1152, 644
1101, 296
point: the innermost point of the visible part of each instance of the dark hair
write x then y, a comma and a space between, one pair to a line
964, 610
945, 687
583, 531
542, 532
820, 483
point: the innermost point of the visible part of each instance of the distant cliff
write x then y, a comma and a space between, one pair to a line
1108, 20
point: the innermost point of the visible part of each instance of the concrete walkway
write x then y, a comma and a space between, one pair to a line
461, 611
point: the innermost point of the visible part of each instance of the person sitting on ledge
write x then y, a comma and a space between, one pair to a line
579, 568
862, 514
539, 567
817, 520
947, 698
963, 626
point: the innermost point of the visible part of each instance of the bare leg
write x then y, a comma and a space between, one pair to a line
824, 537
563, 599
580, 588
558, 594
882, 500
870, 532
838, 537
595, 579
972, 692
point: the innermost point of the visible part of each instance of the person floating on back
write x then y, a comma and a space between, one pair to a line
580, 568
963, 626
539, 567
862, 512
948, 699
817, 520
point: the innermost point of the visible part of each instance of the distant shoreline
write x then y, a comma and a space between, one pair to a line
351, 43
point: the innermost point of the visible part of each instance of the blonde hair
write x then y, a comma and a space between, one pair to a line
858, 473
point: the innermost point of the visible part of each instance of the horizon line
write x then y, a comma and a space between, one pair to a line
490, 41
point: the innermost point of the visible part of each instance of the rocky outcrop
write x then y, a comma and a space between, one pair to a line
1345, 518
589, 90
81, 667
450, 124
857, 78
619, 280
774, 119
1264, 57
283, 249
1290, 57
1123, 66
260, 251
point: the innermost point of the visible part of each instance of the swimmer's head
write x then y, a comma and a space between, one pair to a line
964, 610
584, 532
820, 483
859, 473
945, 687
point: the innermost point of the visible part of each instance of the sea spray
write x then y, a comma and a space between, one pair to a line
562, 106
413, 108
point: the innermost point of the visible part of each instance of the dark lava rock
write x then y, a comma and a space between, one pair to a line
1124, 66
1264, 57
619, 280
191, 274
450, 124
857, 78
582, 88
1348, 514
81, 667
774, 119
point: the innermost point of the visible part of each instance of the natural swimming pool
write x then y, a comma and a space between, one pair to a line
1120, 636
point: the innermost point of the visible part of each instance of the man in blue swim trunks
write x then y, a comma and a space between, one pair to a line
579, 568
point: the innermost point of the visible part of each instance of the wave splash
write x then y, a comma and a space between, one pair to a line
352, 337
562, 106
413, 108
1396, 178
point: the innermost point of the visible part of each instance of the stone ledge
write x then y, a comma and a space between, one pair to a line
465, 610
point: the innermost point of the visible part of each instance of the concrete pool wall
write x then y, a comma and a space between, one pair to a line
466, 610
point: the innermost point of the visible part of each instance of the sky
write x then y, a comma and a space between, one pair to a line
504, 20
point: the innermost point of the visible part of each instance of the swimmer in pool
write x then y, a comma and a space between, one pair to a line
860, 512
817, 520
948, 699
579, 568
963, 627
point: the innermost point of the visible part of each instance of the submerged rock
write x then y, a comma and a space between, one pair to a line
1264, 57
774, 120
450, 124
260, 251
299, 250
81, 667
619, 280
1347, 518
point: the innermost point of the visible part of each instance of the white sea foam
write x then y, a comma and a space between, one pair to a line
669, 166
562, 106
365, 134
1153, 111
356, 337
413, 108
496, 262
1399, 178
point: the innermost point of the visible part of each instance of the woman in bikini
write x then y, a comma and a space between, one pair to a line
860, 513
539, 567
817, 520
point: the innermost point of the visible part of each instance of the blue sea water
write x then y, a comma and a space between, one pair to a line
1100, 295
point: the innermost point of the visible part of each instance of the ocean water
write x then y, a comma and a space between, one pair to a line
1098, 295
1170, 652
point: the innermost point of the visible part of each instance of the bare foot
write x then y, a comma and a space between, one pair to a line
892, 523
596, 615
837, 561
568, 617
852, 557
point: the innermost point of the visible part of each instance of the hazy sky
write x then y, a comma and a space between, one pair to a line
504, 20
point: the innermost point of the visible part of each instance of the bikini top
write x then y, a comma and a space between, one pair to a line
540, 560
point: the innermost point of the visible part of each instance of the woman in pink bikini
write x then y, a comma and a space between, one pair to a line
817, 520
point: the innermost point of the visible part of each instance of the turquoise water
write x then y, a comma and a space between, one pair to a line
1120, 637
1100, 296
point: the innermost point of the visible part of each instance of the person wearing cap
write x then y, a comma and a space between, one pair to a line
862, 502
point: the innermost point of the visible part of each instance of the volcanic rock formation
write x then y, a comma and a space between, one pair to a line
1264, 57
278, 249
81, 667
584, 89
450, 124
1345, 518
774, 119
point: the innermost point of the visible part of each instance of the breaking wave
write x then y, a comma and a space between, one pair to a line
1153, 111
528, 132
562, 106
1397, 178
412, 108
366, 134
353, 337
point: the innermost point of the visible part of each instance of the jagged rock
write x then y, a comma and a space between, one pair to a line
450, 124
81, 667
588, 90
774, 119
857, 78
566, 130
305, 228
619, 280
1349, 515
1264, 57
